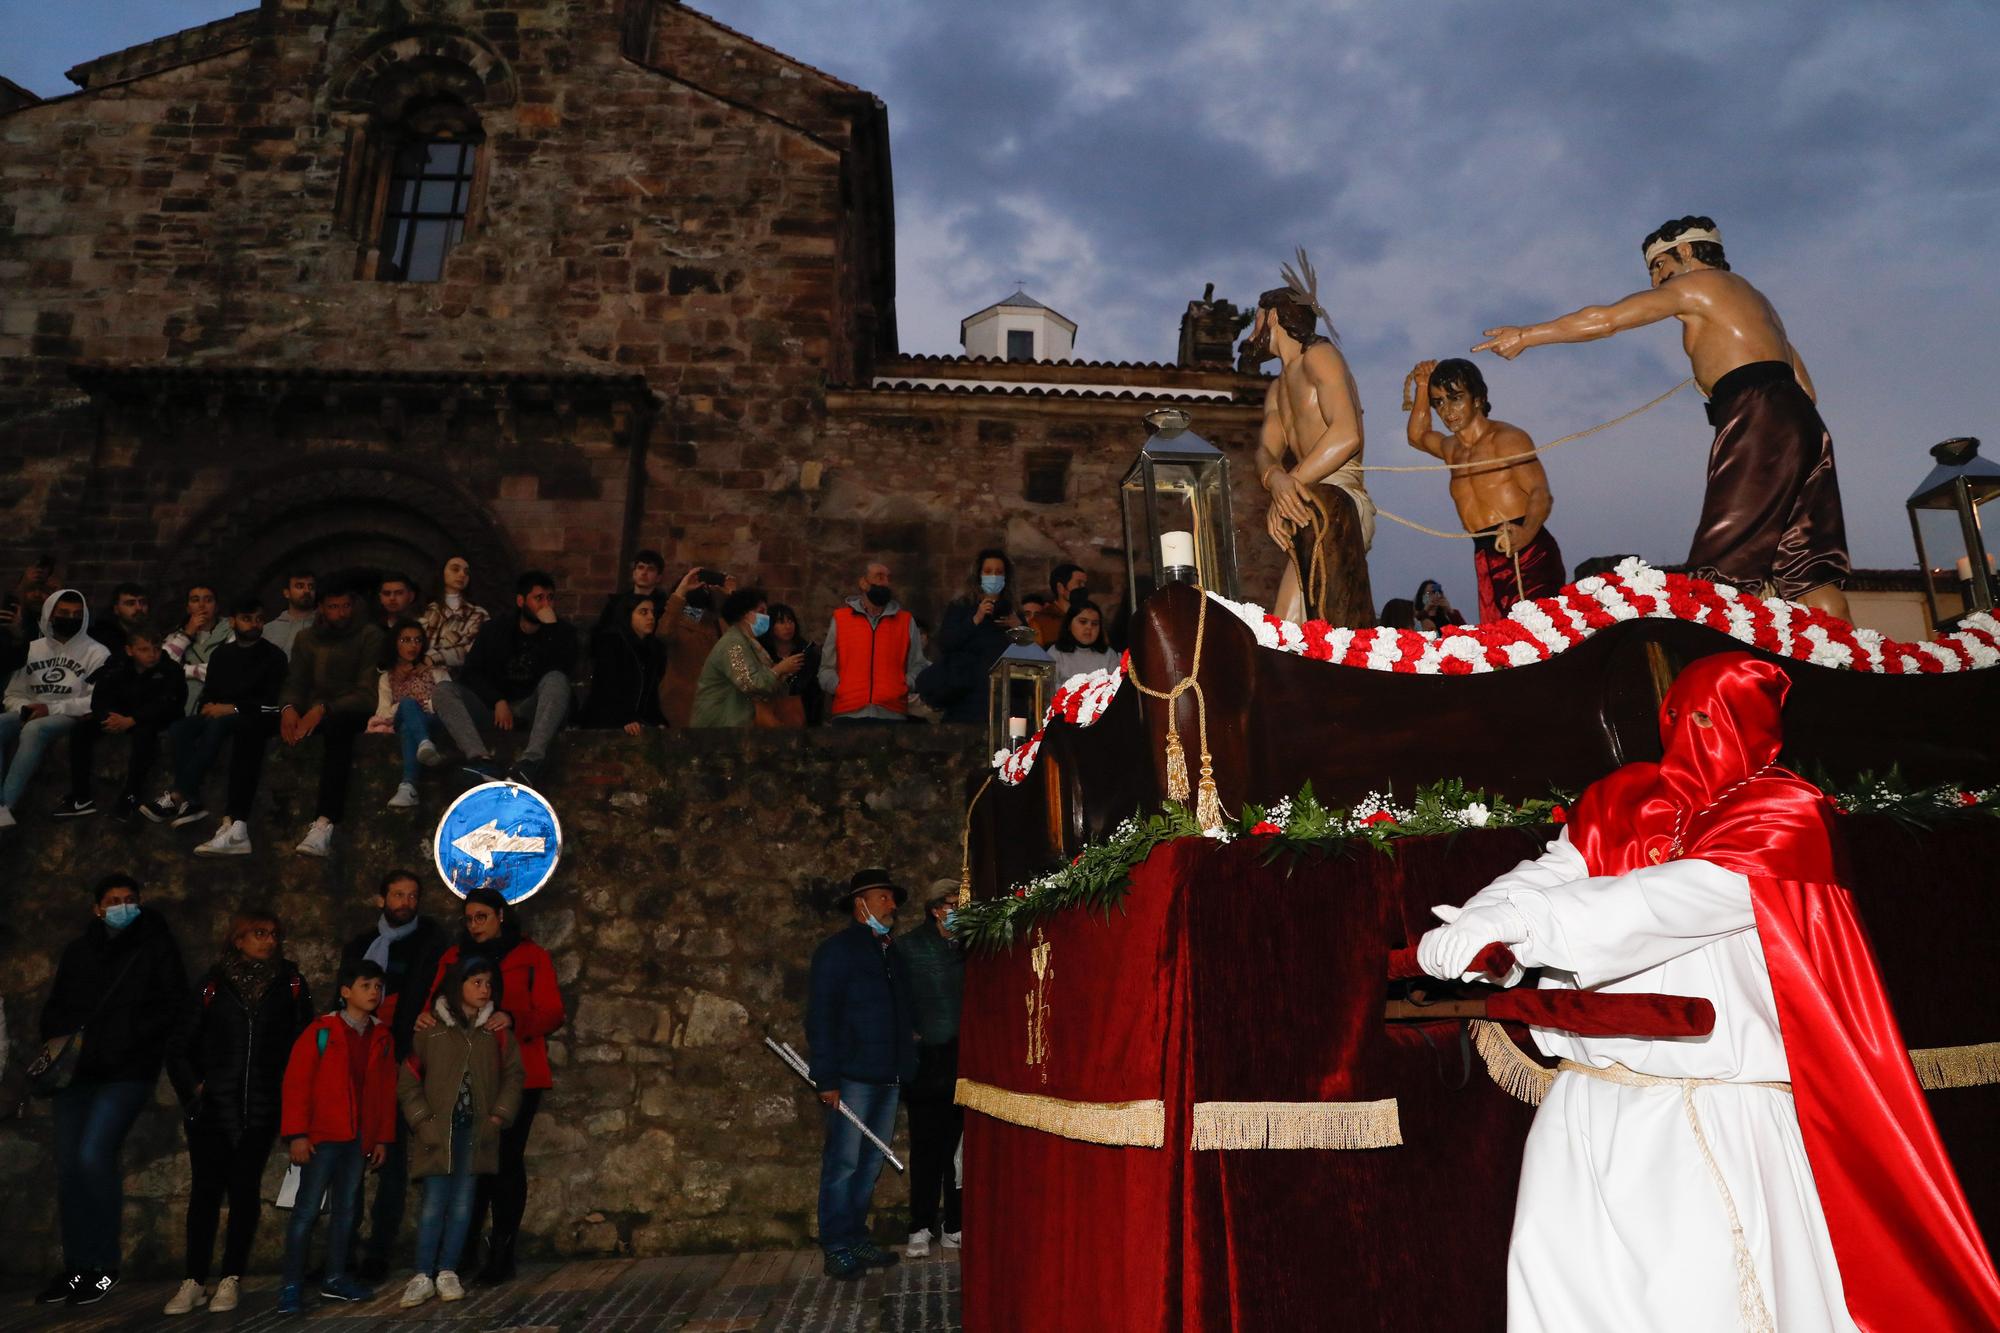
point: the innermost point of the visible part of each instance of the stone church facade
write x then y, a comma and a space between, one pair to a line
359, 284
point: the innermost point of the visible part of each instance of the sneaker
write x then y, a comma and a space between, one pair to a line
291, 1298
405, 797
128, 805
162, 808
59, 1288
919, 1245
192, 812
318, 840
954, 1240
232, 839
481, 768
227, 1292
428, 754
843, 1265
345, 1288
449, 1288
527, 772
92, 1288
187, 1298
873, 1255
418, 1290
72, 807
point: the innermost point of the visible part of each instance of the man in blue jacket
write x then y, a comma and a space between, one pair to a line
861, 1028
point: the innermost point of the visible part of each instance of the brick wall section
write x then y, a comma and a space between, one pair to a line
681, 920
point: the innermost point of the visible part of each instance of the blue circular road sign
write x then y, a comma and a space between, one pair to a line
499, 835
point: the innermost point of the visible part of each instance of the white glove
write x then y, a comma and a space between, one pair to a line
1447, 951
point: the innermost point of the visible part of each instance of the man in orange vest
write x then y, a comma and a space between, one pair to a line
872, 653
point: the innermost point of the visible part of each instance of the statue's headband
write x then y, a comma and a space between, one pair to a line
1658, 248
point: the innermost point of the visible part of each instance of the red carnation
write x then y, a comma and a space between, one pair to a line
1380, 817
1967, 798
1266, 828
1559, 816
1020, 893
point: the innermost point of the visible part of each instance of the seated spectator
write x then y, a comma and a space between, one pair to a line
647, 567
453, 623
394, 597
689, 628
1080, 648
330, 693
787, 636
628, 663
301, 597
131, 609
202, 630
238, 706
973, 636
405, 703
48, 695
21, 612
872, 653
518, 670
739, 672
1067, 583
1433, 609
137, 694
1398, 613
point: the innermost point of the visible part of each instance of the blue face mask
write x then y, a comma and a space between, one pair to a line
992, 584
878, 926
760, 626
121, 915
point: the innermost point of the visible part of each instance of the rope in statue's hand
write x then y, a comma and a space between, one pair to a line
1515, 458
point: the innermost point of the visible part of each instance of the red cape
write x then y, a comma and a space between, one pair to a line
1910, 1254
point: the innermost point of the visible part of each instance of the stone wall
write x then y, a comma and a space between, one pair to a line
681, 920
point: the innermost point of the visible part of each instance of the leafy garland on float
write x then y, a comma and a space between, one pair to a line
1301, 827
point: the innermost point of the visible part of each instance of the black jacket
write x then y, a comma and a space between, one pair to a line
237, 1054
625, 679
413, 965
506, 664
860, 1022
956, 686
127, 1039
248, 675
152, 698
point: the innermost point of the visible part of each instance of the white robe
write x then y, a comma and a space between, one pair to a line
1619, 1224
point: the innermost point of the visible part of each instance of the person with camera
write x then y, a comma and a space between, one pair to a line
688, 629
739, 672
972, 637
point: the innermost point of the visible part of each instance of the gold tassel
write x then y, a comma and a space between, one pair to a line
1208, 807
1177, 774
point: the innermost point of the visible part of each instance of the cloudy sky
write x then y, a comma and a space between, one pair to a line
1449, 166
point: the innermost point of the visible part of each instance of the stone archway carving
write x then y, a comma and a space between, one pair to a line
392, 68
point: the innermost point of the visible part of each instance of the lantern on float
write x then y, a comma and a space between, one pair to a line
1175, 505
1019, 686
1946, 518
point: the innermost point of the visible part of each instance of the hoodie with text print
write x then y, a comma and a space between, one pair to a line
57, 673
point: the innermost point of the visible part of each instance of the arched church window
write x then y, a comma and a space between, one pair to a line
430, 193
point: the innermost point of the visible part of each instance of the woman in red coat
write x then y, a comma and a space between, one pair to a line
532, 1006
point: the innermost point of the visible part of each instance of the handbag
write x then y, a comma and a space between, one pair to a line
55, 1068
785, 711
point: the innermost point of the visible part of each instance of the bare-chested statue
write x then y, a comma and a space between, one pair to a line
1309, 459
1500, 494
1771, 517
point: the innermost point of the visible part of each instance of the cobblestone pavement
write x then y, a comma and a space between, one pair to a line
780, 1292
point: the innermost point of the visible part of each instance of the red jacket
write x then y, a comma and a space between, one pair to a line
529, 996
321, 1101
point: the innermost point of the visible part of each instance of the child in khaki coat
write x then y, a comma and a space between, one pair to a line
460, 1087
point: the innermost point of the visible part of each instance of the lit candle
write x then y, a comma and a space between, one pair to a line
1965, 567
1177, 549
1017, 729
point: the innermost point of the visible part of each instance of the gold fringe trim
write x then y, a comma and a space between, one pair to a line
1518, 1076
1336, 1126
1118, 1124
1957, 1066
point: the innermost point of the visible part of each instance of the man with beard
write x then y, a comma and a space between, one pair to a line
1498, 484
301, 609
1771, 520
407, 946
1320, 513
131, 609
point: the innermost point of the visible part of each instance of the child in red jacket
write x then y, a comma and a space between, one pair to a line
339, 1114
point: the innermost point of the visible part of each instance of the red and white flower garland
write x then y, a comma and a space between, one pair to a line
1537, 630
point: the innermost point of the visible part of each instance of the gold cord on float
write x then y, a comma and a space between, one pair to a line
1208, 805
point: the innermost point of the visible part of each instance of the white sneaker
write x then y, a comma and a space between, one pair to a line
405, 798
449, 1287
428, 754
416, 1291
318, 840
187, 1298
919, 1244
6, 817
954, 1239
224, 1300
232, 839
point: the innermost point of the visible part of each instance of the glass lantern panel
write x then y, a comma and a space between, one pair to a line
1945, 558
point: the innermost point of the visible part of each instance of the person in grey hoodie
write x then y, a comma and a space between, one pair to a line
872, 654
48, 694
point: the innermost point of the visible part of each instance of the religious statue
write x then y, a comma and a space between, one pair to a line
1320, 512
1770, 519
1498, 484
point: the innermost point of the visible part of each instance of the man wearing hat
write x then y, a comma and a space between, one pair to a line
861, 1031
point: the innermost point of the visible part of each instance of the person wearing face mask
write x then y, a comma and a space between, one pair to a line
122, 986
872, 654
627, 663
47, 695
973, 635
452, 623
739, 672
519, 671
238, 707
861, 1036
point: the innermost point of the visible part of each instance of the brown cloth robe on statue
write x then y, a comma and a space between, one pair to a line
1331, 557
1771, 518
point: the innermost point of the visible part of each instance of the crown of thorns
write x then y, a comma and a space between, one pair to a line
1303, 282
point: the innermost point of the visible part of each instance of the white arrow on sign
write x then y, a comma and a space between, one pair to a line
487, 841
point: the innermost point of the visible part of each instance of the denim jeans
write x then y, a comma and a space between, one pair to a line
413, 727
336, 1167
92, 1120
544, 709
849, 1164
34, 737
446, 1218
